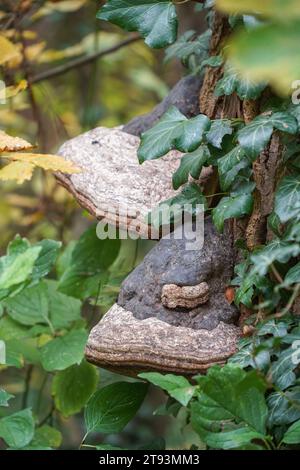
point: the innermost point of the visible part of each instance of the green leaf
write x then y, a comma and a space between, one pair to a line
284, 408
190, 164
217, 132
4, 397
178, 387
233, 82
287, 198
47, 257
173, 131
17, 430
229, 207
292, 435
248, 50
233, 396
281, 372
63, 309
46, 437
73, 387
91, 258
276, 250
61, 353
30, 306
293, 275
156, 20
16, 268
230, 165
189, 49
254, 137
111, 408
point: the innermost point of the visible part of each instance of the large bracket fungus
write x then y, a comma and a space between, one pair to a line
172, 314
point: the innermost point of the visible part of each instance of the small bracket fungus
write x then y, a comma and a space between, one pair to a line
173, 296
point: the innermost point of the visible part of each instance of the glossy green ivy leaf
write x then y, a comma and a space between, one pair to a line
4, 397
217, 132
230, 207
230, 165
232, 82
292, 435
64, 351
190, 46
233, 396
173, 131
287, 198
276, 250
254, 137
190, 164
284, 408
112, 407
178, 387
293, 275
282, 372
73, 387
30, 306
17, 429
155, 20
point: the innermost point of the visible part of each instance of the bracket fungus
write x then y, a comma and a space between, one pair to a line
172, 314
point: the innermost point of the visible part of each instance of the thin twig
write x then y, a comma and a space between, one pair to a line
61, 69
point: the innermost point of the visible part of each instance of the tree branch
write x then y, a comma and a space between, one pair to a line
61, 69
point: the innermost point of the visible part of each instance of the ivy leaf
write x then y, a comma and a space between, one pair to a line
178, 387
284, 408
287, 198
111, 408
277, 250
62, 352
217, 132
190, 164
233, 396
232, 82
73, 387
254, 137
187, 47
30, 306
229, 207
230, 165
17, 429
4, 397
155, 20
293, 275
292, 435
173, 131
282, 372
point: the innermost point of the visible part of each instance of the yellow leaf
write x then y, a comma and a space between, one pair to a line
46, 161
14, 90
8, 50
20, 171
12, 144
